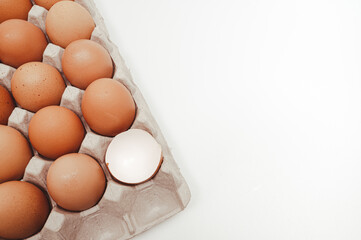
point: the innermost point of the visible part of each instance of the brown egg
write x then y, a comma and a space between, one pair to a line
23, 210
47, 3
55, 131
85, 61
14, 9
108, 107
76, 182
36, 85
6, 105
68, 21
15, 154
21, 42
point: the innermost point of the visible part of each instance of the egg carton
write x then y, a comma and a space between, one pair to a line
124, 210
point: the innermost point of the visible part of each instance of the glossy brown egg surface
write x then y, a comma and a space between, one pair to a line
55, 131
36, 85
76, 182
108, 107
7, 105
68, 21
47, 4
85, 61
21, 42
14, 9
15, 154
24, 209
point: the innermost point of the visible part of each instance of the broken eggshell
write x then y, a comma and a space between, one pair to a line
133, 156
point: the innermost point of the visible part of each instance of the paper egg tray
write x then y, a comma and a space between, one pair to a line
124, 211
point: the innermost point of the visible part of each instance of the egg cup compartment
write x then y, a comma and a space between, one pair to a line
124, 210
6, 73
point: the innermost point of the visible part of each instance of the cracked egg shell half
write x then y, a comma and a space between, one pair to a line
133, 157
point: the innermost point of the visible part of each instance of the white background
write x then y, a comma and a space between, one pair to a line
260, 101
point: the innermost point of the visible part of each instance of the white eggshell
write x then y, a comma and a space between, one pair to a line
133, 156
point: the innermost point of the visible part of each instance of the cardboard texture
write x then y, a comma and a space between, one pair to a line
124, 211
